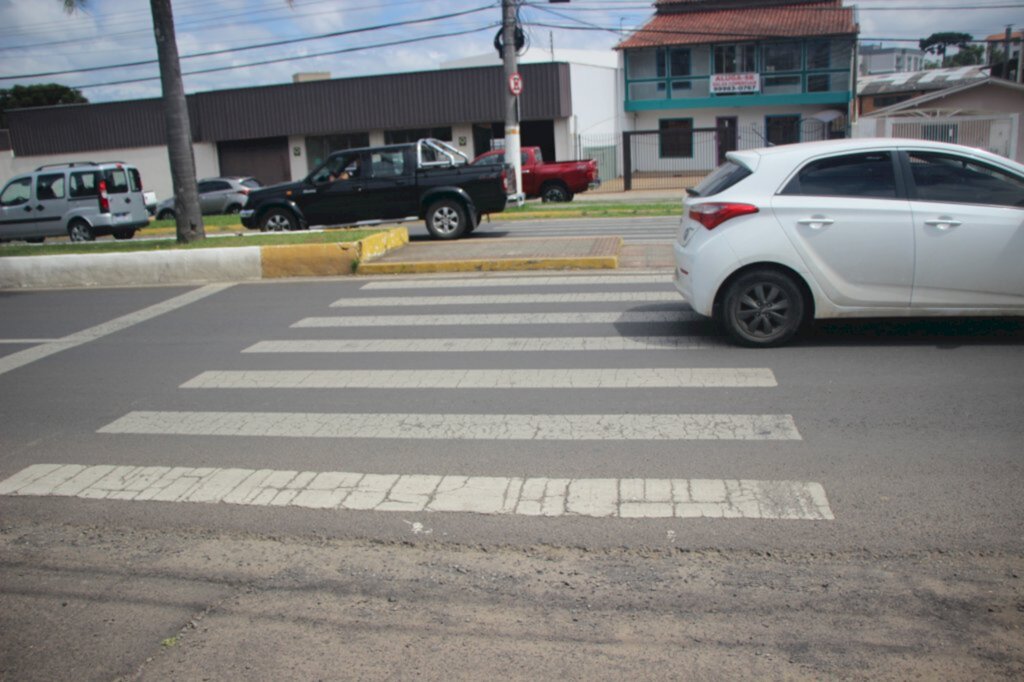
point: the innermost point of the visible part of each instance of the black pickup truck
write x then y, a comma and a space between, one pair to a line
428, 179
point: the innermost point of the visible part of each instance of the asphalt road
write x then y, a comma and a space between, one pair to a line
872, 446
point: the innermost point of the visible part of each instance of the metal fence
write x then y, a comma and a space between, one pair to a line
680, 157
992, 133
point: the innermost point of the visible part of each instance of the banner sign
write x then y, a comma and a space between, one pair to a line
726, 83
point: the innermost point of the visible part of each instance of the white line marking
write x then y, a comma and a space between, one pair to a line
502, 345
627, 317
608, 427
30, 355
15, 342
507, 299
421, 283
754, 377
589, 497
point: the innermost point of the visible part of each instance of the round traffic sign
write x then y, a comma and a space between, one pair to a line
515, 84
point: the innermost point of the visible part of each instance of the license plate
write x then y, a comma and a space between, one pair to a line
122, 218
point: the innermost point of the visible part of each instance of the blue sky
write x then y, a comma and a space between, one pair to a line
36, 36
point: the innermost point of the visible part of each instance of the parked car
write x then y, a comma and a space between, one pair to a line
428, 179
80, 199
852, 228
558, 181
216, 195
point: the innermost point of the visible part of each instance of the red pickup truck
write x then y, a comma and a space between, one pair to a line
549, 181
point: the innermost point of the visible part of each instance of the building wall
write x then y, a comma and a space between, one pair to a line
153, 164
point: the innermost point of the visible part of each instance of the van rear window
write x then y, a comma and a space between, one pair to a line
83, 184
134, 179
117, 181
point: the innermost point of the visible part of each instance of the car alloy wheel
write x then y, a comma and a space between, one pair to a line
762, 308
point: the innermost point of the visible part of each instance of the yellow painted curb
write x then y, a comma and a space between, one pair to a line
327, 260
489, 265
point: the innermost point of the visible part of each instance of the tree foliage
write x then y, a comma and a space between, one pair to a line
938, 43
38, 95
967, 56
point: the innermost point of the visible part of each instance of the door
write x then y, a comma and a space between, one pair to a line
852, 227
390, 184
969, 227
265, 159
335, 193
51, 205
726, 126
16, 212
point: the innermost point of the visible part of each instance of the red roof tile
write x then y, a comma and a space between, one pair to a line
696, 26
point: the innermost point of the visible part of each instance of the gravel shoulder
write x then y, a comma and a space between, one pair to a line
84, 602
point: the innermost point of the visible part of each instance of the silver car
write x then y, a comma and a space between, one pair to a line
80, 199
216, 195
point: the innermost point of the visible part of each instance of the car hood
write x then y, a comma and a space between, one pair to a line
273, 190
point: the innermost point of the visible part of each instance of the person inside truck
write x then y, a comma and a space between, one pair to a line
346, 169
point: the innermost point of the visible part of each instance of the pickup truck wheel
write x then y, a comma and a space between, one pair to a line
555, 193
277, 220
80, 231
446, 219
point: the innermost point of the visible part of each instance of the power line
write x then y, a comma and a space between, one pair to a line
276, 43
279, 60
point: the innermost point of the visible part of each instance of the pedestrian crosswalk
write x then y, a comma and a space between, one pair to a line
461, 321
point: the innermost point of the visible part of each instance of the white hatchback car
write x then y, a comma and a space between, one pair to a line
852, 228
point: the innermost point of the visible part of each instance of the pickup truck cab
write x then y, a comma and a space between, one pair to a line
550, 181
428, 179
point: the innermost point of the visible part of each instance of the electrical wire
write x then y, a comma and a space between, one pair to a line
276, 43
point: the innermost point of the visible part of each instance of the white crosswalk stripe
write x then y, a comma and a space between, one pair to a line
517, 319
486, 345
482, 378
507, 299
634, 498
560, 427
421, 283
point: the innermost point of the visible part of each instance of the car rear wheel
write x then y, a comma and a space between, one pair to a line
166, 214
763, 308
446, 219
555, 193
278, 220
233, 209
80, 231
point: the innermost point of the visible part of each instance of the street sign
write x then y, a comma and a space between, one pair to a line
515, 84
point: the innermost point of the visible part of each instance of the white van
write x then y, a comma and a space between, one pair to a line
80, 199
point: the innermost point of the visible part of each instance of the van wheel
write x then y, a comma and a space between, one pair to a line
124, 234
277, 220
762, 309
80, 231
555, 193
446, 219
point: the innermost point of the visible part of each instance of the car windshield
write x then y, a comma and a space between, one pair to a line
721, 179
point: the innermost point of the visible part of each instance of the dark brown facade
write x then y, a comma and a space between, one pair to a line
408, 100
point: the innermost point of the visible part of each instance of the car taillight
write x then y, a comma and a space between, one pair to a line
711, 215
504, 181
245, 190
104, 199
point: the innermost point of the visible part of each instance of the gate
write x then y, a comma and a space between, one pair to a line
672, 158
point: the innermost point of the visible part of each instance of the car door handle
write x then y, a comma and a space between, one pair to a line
816, 222
943, 223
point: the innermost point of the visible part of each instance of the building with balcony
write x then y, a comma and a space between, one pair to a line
708, 76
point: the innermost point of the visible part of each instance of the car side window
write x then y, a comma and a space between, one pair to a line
50, 187
865, 175
16, 192
955, 179
219, 186
492, 160
388, 164
204, 187
82, 185
537, 155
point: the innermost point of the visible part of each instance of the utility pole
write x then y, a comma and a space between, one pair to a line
512, 146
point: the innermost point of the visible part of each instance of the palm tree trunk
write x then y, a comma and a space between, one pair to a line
179, 131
